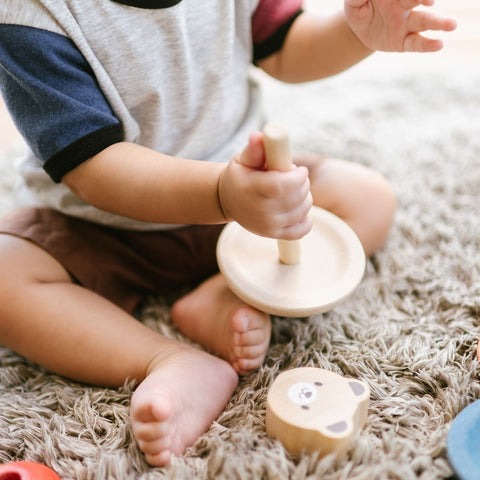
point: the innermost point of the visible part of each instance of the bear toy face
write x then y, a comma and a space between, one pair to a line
313, 409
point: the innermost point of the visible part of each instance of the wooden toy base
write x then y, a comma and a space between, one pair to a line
332, 264
315, 410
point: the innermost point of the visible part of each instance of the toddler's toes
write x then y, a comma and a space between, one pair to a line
159, 459
245, 366
253, 353
251, 338
155, 447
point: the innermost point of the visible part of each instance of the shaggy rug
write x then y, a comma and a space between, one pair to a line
410, 330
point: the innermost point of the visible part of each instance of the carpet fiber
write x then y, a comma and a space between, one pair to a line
410, 330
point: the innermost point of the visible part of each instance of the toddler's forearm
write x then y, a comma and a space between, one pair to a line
142, 184
316, 47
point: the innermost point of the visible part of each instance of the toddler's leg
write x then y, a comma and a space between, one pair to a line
217, 319
76, 333
357, 194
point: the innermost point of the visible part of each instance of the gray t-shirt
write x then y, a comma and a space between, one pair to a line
80, 75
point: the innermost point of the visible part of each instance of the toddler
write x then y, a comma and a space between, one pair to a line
142, 123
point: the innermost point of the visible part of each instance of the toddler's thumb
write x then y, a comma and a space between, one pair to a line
253, 155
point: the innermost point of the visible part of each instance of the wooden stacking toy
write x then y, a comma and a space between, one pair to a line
296, 278
315, 410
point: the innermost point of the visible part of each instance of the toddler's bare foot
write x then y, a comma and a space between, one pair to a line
217, 319
178, 401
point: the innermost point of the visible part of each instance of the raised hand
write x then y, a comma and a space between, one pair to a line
396, 25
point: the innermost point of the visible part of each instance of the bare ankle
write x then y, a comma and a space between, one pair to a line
165, 354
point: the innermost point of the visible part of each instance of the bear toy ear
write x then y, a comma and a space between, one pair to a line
357, 388
339, 427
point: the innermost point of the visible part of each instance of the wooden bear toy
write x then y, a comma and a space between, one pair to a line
312, 409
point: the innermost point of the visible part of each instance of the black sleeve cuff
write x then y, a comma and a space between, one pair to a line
275, 41
81, 150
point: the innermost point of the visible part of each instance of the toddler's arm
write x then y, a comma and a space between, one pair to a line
140, 183
317, 47
158, 188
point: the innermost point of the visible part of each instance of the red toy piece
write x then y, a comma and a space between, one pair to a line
26, 471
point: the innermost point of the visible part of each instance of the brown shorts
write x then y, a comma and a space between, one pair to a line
123, 266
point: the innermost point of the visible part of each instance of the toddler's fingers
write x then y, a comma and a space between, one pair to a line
409, 4
421, 21
279, 185
417, 43
297, 206
297, 230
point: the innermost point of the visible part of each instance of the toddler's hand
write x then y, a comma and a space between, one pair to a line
268, 203
395, 25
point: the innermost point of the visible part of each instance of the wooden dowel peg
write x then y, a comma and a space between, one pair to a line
278, 156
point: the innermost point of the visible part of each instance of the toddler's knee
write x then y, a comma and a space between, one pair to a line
26, 263
379, 214
387, 202
179, 312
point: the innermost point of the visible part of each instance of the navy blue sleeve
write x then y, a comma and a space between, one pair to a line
54, 98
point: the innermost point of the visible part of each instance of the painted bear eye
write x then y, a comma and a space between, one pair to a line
319, 384
305, 407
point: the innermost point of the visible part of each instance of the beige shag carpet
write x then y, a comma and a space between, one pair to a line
410, 330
